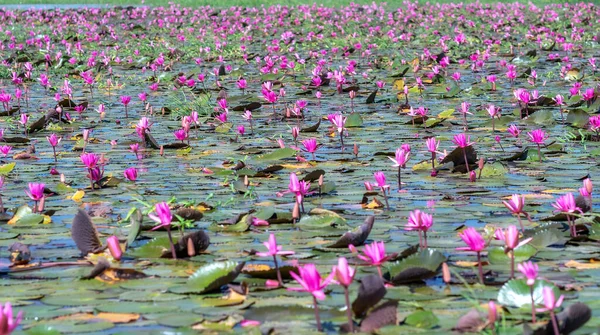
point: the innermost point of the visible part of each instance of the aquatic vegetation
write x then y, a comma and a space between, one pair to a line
202, 169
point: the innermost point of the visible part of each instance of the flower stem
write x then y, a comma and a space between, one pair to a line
520, 222
379, 271
420, 240
466, 162
554, 323
348, 310
387, 204
317, 317
171, 242
480, 268
54, 151
342, 139
424, 240
532, 304
512, 264
539, 153
399, 178
278, 271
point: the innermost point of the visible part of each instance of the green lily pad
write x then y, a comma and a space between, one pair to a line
212, 276
277, 154
417, 267
517, 293
422, 319
523, 253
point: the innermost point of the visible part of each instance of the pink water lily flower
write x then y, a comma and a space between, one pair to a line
273, 248
310, 281
163, 215
476, 243
374, 254
7, 323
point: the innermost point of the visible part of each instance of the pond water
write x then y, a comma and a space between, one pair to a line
184, 60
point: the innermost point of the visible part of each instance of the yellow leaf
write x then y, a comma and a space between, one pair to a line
532, 196
374, 204
399, 84
111, 317
78, 196
567, 190
47, 219
582, 266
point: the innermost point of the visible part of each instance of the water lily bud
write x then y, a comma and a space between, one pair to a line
446, 273
162, 150
114, 247
321, 180
587, 184
41, 205
355, 151
492, 313
472, 176
481, 163
246, 181
62, 178
296, 212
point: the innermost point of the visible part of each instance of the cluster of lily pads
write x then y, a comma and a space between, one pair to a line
221, 169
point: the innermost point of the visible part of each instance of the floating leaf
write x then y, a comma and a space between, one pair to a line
277, 154
354, 120
416, 267
516, 292
356, 237
523, 253
422, 319
212, 276
7, 168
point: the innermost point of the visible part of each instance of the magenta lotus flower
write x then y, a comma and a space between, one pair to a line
514, 130
299, 188
163, 215
310, 279
222, 117
130, 174
475, 243
462, 140
273, 251
90, 160
550, 305
53, 139
164, 218
36, 191
515, 205
381, 183
7, 323
400, 160
125, 100
588, 95
142, 127
374, 254
510, 237
338, 121
5, 150
344, 275
566, 205
421, 222
180, 134
259, 222
241, 130
538, 136
530, 271
310, 145
432, 146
